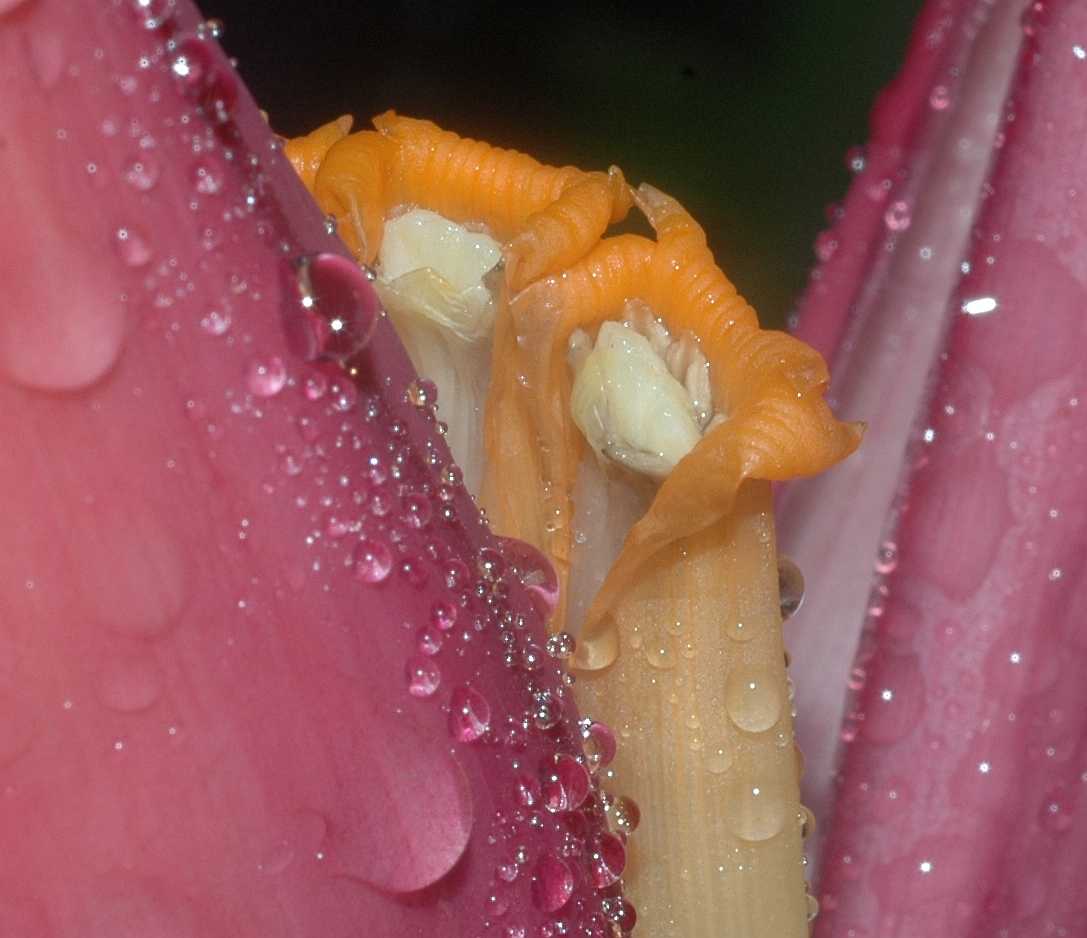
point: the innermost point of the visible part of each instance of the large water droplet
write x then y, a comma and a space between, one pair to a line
536, 573
790, 587
752, 700
552, 883
599, 743
753, 811
331, 309
607, 861
469, 714
565, 786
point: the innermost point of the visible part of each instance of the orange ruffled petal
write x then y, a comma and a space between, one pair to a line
549, 216
768, 386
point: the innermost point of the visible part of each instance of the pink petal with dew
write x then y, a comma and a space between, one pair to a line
877, 308
224, 560
961, 809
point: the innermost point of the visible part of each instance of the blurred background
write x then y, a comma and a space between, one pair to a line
744, 111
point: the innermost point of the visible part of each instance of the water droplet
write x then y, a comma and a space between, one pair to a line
625, 814
660, 651
315, 386
372, 561
423, 677
343, 395
599, 744
790, 587
855, 159
826, 245
897, 217
752, 700
561, 645
417, 511
207, 177
205, 80
565, 786
428, 641
331, 309
443, 614
422, 393
552, 883
266, 378
215, 322
131, 246
717, 760
469, 714
535, 572
1056, 814
939, 98
887, 558
142, 172
607, 861
753, 812
526, 789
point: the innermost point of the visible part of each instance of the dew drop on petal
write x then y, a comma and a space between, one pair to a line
897, 217
215, 322
552, 883
607, 861
565, 785
267, 377
790, 587
469, 715
131, 246
752, 700
331, 309
599, 744
372, 561
423, 677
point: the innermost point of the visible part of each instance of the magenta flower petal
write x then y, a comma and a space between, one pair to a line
878, 308
262, 668
960, 810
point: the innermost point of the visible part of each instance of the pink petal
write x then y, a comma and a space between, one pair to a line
878, 308
961, 808
207, 726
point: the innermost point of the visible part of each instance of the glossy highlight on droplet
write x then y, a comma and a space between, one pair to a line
752, 700
330, 309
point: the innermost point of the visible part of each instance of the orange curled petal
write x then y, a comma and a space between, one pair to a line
467, 180
352, 185
563, 232
307, 153
780, 436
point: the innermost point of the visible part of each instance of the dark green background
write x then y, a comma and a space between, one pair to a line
743, 112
